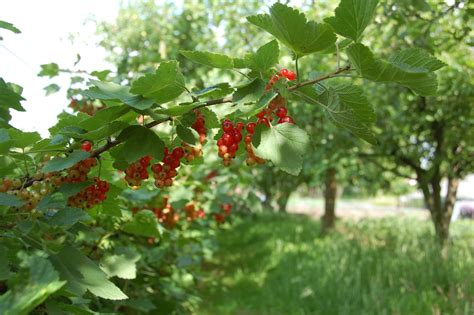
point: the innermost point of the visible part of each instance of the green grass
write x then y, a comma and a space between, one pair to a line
279, 264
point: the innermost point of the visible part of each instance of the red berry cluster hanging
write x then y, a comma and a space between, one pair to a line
166, 214
284, 73
90, 196
165, 172
199, 125
192, 213
136, 172
228, 144
277, 108
226, 208
78, 173
220, 217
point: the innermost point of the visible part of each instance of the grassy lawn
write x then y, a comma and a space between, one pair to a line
279, 264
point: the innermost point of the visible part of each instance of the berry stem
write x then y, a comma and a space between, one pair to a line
297, 71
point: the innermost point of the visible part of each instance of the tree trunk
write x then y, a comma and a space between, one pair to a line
441, 212
283, 200
330, 193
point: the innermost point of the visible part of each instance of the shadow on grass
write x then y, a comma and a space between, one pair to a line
278, 264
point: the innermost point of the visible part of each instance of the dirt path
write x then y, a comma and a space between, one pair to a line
357, 210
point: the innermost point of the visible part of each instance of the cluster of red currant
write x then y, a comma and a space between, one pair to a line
200, 126
228, 144
164, 212
91, 195
277, 108
284, 73
192, 213
220, 217
166, 171
85, 106
192, 152
45, 183
78, 173
137, 171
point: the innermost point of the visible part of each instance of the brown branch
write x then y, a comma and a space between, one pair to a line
319, 79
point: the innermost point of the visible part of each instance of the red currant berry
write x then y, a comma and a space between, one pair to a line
178, 153
291, 76
264, 121
233, 148
286, 119
168, 160
156, 168
227, 126
284, 73
86, 146
227, 139
281, 112
251, 127
261, 114
145, 161
237, 137
274, 79
248, 139
239, 126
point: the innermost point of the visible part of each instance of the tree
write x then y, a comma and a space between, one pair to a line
430, 136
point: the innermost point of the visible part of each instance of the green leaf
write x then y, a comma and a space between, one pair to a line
292, 29
265, 57
263, 102
121, 265
382, 71
9, 26
68, 217
345, 106
249, 92
186, 134
23, 139
416, 60
82, 275
209, 59
10, 200
9, 98
110, 206
103, 117
49, 70
215, 91
210, 118
166, 84
141, 141
106, 130
5, 141
112, 91
62, 163
144, 223
35, 281
101, 75
51, 89
353, 97
352, 17
180, 109
284, 145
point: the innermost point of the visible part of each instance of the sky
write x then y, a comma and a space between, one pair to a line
46, 28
